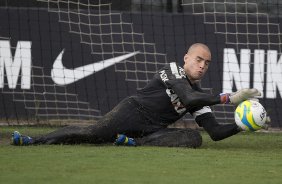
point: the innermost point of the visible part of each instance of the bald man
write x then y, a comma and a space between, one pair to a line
172, 92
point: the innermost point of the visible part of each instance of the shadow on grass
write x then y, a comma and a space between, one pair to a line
245, 140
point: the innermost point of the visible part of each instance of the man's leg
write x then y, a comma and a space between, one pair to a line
125, 118
66, 135
172, 137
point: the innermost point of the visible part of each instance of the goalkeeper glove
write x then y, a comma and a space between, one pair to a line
239, 96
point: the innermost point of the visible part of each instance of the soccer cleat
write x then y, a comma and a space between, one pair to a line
20, 140
124, 140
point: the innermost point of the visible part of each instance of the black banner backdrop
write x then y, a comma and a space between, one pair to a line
171, 33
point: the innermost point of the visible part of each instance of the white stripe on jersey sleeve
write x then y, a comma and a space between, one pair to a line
203, 110
174, 70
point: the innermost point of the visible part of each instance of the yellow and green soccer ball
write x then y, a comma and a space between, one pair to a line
250, 115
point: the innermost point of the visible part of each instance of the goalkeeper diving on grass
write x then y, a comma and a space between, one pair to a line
143, 119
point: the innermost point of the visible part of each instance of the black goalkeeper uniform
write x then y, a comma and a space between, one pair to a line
170, 95
164, 100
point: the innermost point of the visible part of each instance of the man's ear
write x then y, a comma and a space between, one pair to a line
186, 56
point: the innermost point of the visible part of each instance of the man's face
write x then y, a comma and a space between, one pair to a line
196, 63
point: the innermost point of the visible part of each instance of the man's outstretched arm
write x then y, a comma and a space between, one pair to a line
215, 130
179, 83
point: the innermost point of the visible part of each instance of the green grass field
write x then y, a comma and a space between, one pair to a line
244, 158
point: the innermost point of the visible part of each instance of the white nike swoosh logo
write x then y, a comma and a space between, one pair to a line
64, 76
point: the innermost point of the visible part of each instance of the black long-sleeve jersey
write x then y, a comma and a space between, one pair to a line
170, 95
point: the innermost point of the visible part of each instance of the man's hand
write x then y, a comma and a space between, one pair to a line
239, 96
242, 95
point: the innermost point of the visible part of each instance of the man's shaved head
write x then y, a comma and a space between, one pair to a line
196, 45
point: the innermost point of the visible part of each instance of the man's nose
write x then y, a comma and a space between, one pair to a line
202, 65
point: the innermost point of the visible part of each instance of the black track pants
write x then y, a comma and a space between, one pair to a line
126, 118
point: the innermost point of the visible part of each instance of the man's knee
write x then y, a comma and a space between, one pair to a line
172, 137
